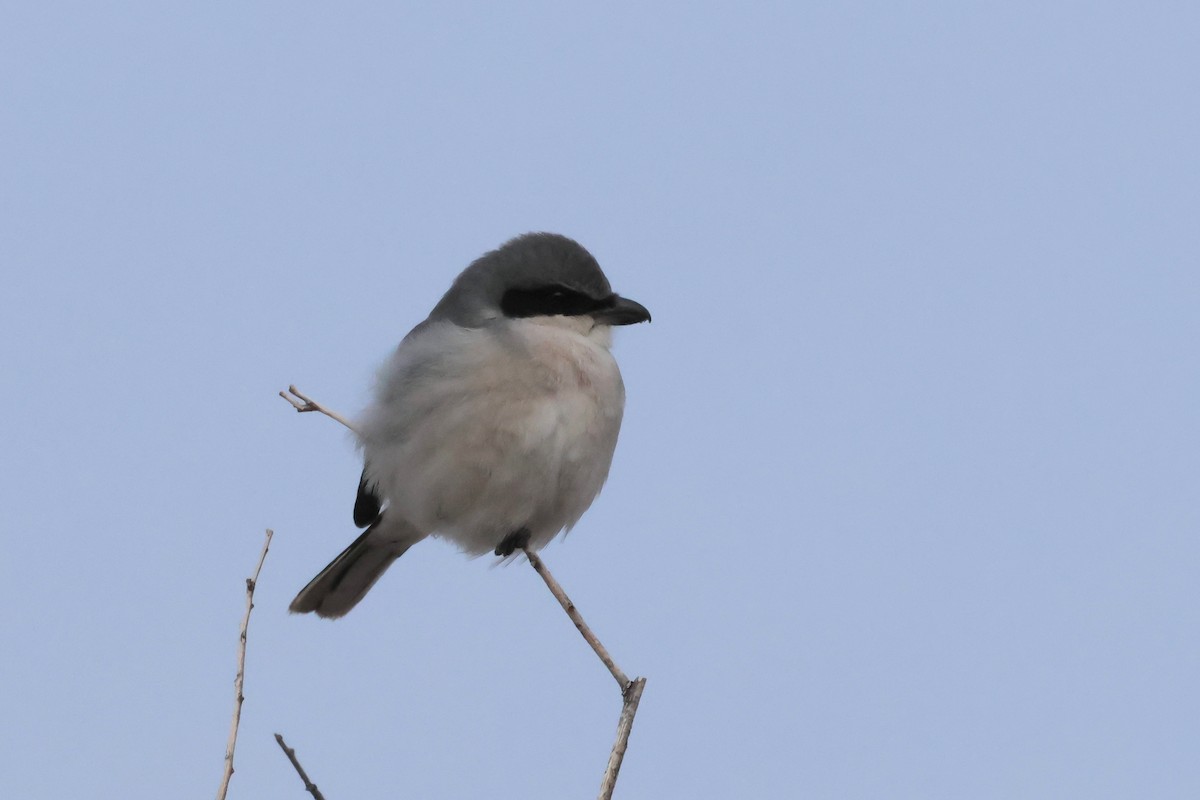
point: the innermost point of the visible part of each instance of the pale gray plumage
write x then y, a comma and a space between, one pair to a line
496, 416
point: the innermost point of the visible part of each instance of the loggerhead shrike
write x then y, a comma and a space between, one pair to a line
494, 422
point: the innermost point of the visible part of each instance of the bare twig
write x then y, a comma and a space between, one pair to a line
555, 589
633, 696
303, 404
309, 786
239, 681
631, 691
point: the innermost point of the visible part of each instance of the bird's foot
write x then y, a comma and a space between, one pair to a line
517, 540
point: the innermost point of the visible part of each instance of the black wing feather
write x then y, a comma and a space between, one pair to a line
367, 505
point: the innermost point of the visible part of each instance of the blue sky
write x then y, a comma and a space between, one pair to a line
905, 504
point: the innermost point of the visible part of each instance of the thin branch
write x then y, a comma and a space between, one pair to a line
309, 786
239, 681
633, 696
555, 589
304, 404
631, 691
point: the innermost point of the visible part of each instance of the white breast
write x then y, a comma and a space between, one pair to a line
476, 433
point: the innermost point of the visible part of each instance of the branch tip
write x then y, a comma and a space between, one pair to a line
303, 404
239, 679
309, 786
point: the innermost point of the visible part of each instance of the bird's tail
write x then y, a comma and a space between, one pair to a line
347, 579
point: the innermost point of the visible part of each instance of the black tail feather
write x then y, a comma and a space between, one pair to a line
347, 579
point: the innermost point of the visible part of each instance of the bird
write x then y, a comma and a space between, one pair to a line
493, 423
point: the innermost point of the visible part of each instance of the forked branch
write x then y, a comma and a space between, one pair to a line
631, 691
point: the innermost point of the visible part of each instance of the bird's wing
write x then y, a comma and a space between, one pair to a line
368, 504
402, 399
